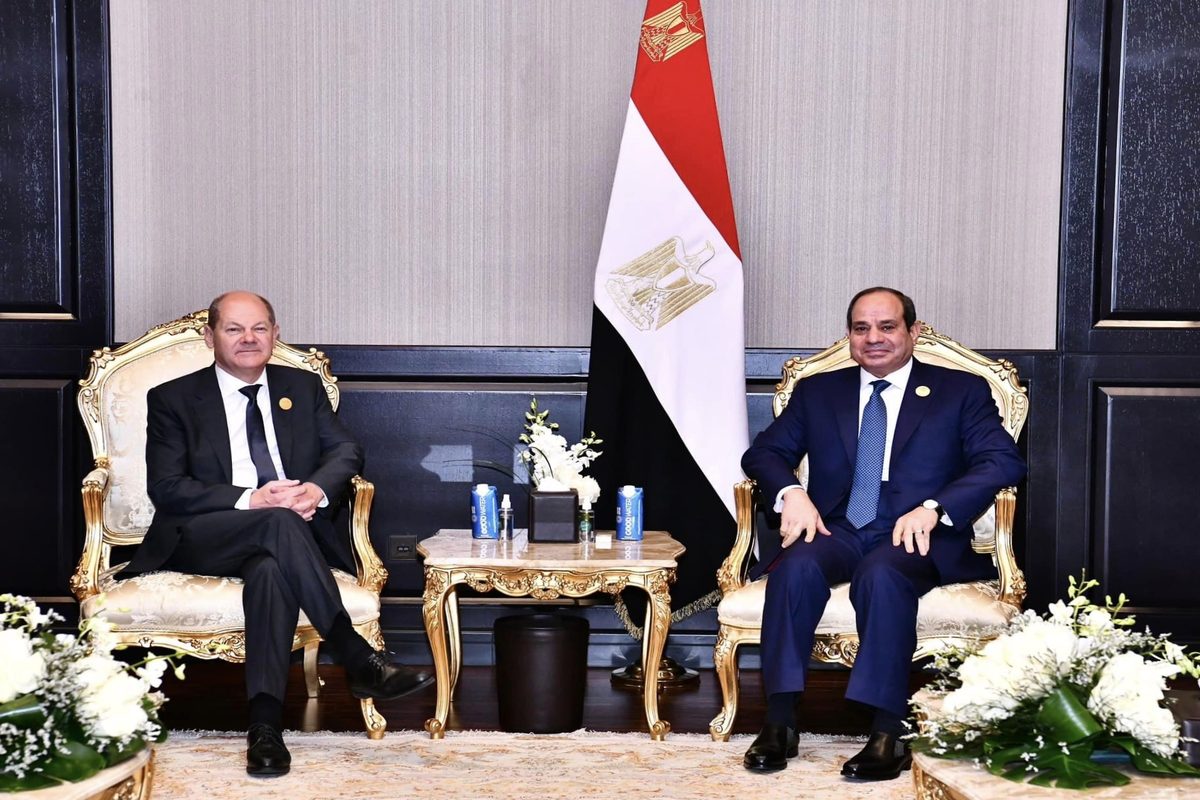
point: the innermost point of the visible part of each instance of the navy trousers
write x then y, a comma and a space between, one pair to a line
885, 584
284, 570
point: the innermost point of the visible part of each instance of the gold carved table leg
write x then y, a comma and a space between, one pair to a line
442, 641
658, 620
453, 637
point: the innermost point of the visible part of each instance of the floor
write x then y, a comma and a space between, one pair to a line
212, 698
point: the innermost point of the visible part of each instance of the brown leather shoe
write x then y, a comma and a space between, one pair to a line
266, 755
883, 758
771, 749
380, 679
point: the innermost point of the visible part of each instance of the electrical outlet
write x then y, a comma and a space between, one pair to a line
402, 548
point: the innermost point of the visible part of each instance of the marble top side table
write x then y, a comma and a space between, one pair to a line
544, 571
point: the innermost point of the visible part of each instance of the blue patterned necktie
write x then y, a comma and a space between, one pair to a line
868, 464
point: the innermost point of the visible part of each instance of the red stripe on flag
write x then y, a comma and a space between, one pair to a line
675, 98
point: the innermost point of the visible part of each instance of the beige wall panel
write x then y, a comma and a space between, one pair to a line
430, 172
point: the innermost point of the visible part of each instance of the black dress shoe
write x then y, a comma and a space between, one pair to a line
380, 679
771, 749
266, 755
883, 759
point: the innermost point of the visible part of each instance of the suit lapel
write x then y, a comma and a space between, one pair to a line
846, 409
914, 406
209, 412
283, 398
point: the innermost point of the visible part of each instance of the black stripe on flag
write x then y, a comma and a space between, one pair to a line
642, 447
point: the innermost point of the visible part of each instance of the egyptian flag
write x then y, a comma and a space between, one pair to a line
666, 384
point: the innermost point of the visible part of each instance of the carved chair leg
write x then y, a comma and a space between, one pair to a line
312, 681
376, 724
725, 666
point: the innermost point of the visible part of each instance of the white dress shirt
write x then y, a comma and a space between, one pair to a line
244, 471
892, 397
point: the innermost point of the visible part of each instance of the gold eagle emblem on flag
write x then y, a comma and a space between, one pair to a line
666, 34
662, 283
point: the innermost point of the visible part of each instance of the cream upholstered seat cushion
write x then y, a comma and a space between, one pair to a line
177, 602
959, 609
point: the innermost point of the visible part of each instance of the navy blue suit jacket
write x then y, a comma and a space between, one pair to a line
949, 445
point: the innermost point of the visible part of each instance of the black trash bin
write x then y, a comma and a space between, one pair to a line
541, 672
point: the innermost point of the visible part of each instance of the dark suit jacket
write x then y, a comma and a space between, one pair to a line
948, 446
189, 465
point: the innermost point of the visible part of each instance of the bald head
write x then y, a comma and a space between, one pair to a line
214, 308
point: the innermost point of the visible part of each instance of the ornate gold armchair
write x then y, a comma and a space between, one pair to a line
196, 614
959, 614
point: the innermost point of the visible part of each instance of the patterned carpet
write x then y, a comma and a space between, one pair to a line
517, 766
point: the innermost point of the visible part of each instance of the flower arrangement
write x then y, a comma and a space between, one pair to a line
553, 465
1053, 691
68, 709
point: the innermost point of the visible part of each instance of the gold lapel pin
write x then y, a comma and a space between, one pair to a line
286, 402
922, 391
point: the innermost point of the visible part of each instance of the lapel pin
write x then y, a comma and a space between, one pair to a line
922, 391
286, 402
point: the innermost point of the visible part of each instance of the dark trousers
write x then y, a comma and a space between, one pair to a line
274, 552
885, 584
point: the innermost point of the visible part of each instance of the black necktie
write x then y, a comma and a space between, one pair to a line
256, 436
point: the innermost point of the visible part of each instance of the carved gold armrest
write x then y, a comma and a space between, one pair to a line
86, 580
732, 574
371, 572
1012, 580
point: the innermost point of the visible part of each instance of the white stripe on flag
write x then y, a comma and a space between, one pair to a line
696, 362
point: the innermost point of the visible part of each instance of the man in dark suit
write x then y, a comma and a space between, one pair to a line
245, 463
902, 457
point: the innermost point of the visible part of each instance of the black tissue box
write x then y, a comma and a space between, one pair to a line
552, 516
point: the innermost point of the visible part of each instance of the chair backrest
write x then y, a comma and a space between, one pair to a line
1011, 397
112, 402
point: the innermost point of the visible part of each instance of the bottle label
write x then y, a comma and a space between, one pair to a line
484, 515
629, 514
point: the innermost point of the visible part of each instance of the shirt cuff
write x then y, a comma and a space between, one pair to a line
243, 503
324, 498
778, 507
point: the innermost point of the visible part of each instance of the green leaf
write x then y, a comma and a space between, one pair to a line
32, 781
115, 755
1146, 760
77, 762
1066, 718
25, 711
1074, 770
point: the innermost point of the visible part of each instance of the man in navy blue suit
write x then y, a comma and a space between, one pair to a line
902, 457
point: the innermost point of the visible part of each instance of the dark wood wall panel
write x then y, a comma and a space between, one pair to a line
37, 451
1155, 111
55, 226
1144, 538
428, 443
35, 275
55, 273
1130, 225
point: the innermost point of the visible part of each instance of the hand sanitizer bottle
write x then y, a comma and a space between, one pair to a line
506, 519
587, 522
